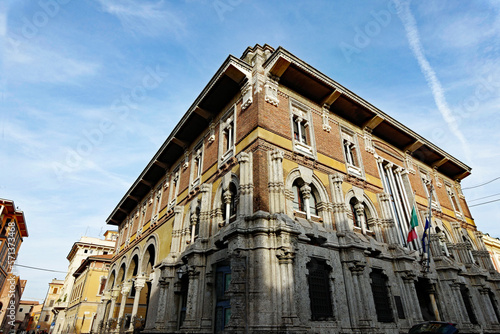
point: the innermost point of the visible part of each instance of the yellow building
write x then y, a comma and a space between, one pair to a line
90, 280
47, 315
493, 247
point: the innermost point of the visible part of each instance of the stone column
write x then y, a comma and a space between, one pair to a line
125, 291
115, 292
246, 183
390, 232
360, 215
276, 184
162, 305
461, 311
432, 296
359, 304
177, 230
139, 284
411, 298
306, 195
206, 199
192, 299
101, 312
227, 196
289, 314
339, 208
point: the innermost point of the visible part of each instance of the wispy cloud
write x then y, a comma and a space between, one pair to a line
35, 64
143, 17
413, 37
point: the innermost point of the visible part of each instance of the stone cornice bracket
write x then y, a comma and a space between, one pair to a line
410, 166
211, 133
246, 92
271, 90
367, 136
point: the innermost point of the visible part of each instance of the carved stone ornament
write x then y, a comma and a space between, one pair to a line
326, 113
247, 96
271, 90
211, 134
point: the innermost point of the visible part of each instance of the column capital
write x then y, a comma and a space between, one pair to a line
306, 191
126, 288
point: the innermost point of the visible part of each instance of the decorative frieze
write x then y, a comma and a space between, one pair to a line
271, 90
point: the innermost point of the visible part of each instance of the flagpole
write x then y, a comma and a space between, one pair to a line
428, 260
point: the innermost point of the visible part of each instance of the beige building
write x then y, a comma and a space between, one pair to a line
82, 249
282, 203
47, 315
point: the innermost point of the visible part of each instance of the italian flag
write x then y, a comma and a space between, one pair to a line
412, 235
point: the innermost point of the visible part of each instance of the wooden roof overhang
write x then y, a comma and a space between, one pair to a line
223, 86
11, 211
314, 85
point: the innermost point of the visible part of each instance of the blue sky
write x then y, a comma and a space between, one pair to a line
89, 91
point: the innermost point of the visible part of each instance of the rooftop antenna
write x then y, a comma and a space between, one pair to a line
86, 230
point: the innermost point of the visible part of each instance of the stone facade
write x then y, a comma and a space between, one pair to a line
282, 203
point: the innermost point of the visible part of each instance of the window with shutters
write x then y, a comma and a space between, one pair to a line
318, 279
381, 296
426, 183
454, 201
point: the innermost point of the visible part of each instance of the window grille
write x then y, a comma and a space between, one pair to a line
381, 296
319, 290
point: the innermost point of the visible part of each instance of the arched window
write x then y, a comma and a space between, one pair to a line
229, 204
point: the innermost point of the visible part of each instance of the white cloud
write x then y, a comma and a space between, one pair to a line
37, 64
147, 18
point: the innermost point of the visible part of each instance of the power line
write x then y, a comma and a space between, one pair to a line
480, 185
42, 269
477, 199
495, 200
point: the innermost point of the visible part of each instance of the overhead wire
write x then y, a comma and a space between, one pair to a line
495, 200
42, 269
477, 199
480, 185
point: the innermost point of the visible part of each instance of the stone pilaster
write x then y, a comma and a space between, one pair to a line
275, 182
124, 291
246, 183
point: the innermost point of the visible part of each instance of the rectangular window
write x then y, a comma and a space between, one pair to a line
393, 179
351, 153
426, 182
454, 201
196, 166
47, 318
227, 135
51, 303
174, 185
319, 290
223, 305
302, 131
381, 296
